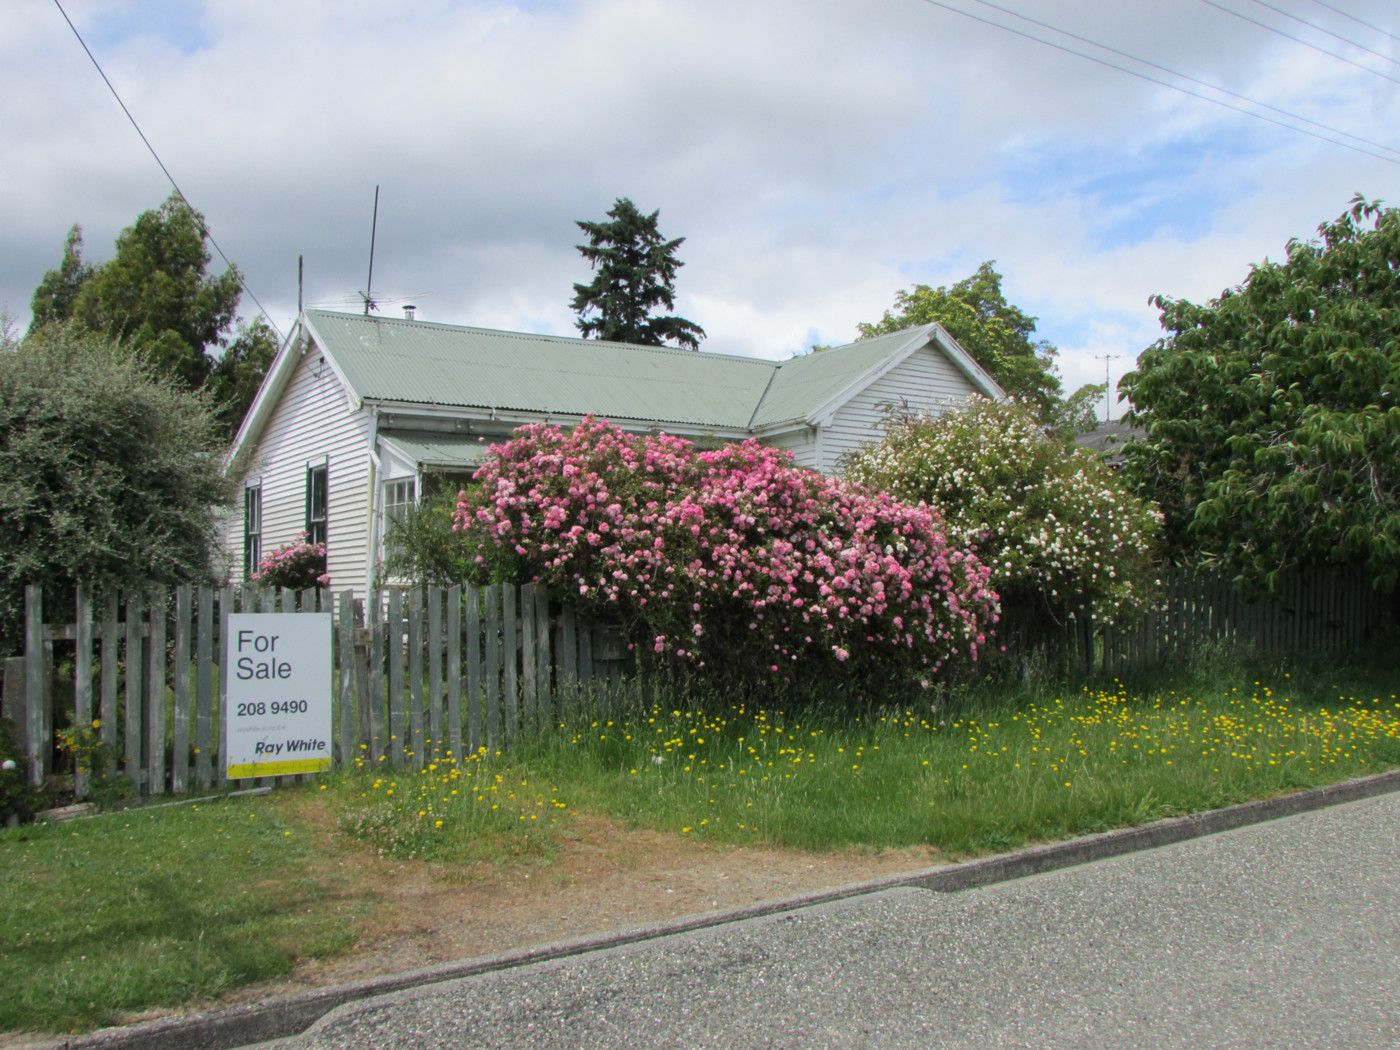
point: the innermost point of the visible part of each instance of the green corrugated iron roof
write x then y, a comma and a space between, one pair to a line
804, 384
420, 362
433, 449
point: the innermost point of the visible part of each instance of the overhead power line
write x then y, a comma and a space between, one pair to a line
1164, 83
204, 226
1337, 10
1299, 40
1187, 77
1324, 30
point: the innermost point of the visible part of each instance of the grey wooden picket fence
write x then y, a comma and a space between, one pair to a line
417, 673
1317, 610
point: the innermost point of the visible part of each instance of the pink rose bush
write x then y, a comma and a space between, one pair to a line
734, 561
297, 565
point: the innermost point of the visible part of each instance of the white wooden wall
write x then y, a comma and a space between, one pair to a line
312, 423
927, 381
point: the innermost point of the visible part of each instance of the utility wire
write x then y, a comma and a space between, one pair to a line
204, 228
1188, 77
1337, 10
1323, 29
1299, 40
1161, 83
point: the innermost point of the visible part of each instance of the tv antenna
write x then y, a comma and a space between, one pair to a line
1107, 384
370, 304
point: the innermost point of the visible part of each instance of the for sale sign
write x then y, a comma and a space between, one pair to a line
278, 705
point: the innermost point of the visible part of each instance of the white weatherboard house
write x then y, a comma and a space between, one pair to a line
357, 413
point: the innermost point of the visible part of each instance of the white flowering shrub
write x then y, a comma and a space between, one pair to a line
1060, 530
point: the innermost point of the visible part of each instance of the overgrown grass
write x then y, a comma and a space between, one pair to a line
461, 809
138, 909
976, 772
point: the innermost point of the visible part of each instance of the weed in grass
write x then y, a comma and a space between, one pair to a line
461, 809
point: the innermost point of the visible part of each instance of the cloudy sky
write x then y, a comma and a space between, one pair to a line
817, 156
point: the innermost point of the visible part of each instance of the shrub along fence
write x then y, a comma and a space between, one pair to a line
414, 672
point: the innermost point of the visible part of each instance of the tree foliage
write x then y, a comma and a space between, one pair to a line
634, 275
110, 474
1273, 428
998, 335
1060, 531
156, 298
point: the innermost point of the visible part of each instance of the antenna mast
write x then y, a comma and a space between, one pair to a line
1107, 384
369, 281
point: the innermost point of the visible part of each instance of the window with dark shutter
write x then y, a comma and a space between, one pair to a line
316, 504
252, 529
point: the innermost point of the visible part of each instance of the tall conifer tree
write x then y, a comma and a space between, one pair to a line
634, 274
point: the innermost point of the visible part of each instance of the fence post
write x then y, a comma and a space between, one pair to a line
35, 685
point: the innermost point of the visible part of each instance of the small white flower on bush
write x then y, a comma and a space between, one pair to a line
1060, 530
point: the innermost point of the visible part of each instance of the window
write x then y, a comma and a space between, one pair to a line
252, 529
398, 500
316, 504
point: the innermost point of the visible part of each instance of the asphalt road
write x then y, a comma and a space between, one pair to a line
1283, 934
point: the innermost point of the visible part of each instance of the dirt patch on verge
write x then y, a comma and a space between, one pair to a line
604, 877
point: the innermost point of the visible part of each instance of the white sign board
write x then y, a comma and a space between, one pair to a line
278, 707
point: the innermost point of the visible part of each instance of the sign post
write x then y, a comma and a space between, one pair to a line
279, 694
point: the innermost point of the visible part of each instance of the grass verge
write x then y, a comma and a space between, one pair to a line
138, 909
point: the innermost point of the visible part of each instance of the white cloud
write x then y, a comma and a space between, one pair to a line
817, 156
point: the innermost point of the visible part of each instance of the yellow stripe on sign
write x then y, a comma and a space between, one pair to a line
279, 769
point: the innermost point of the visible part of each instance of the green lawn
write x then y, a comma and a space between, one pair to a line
161, 907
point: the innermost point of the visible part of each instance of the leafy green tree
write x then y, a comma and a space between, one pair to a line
239, 371
1273, 412
110, 474
634, 275
54, 298
1078, 413
998, 335
154, 295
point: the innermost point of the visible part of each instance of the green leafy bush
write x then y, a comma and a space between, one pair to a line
109, 475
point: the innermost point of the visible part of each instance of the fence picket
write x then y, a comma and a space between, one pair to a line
374, 683
155, 696
435, 656
203, 686
529, 682
395, 656
345, 680
493, 665
82, 681
132, 767
111, 644
180, 712
418, 748
542, 656
475, 739
453, 641
226, 607
510, 656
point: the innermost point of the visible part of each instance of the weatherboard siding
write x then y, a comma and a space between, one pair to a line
801, 443
926, 381
313, 423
